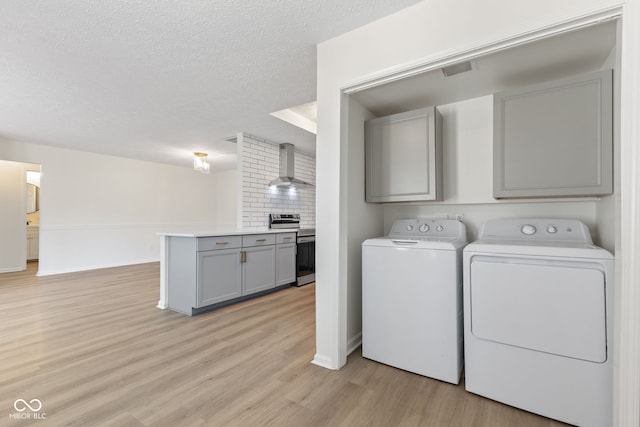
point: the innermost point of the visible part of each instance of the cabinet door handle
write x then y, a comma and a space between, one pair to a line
222, 243
287, 238
243, 256
261, 240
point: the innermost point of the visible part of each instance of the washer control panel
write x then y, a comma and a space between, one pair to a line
536, 229
429, 228
528, 229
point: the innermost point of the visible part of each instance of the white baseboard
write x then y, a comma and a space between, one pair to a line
11, 269
92, 267
354, 343
324, 362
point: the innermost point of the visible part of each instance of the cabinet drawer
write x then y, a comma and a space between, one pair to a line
222, 242
286, 238
258, 240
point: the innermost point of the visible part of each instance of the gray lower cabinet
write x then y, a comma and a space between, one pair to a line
258, 269
202, 271
258, 263
209, 271
555, 139
286, 259
219, 276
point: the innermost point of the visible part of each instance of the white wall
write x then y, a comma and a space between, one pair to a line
259, 165
226, 199
103, 211
608, 209
13, 217
365, 220
627, 309
424, 34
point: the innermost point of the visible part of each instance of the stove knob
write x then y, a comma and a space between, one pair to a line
528, 230
424, 228
552, 229
439, 228
409, 227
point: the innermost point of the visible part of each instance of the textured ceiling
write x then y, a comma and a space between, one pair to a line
158, 80
584, 50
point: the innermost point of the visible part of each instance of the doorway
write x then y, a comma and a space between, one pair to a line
20, 189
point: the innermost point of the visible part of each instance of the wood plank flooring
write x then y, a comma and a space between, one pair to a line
93, 348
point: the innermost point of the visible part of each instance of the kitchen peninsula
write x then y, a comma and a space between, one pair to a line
201, 271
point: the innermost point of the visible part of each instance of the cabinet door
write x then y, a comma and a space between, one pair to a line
259, 269
404, 157
33, 245
555, 139
286, 264
219, 276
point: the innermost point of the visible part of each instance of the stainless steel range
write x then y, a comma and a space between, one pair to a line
306, 257
306, 245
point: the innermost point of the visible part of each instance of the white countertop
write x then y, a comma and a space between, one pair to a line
226, 232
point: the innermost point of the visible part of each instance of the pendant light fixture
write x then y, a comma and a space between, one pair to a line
200, 162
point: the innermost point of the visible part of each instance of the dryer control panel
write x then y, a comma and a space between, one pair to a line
564, 230
434, 228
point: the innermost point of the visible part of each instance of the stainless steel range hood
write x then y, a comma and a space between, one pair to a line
286, 178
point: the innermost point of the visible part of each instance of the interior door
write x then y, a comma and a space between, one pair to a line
13, 228
549, 306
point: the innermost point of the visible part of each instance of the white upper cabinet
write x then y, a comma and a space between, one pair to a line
404, 157
555, 139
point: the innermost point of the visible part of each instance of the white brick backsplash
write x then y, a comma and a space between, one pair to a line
260, 165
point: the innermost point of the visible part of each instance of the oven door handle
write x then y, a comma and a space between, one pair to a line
310, 239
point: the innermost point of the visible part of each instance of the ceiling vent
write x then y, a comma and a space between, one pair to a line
459, 68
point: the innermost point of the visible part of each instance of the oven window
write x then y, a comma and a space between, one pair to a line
306, 258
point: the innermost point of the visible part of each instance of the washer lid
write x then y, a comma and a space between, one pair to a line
401, 242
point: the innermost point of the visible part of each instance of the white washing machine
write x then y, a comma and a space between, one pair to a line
412, 297
538, 319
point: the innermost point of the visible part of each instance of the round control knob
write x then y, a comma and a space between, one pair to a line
552, 229
528, 230
424, 228
409, 227
439, 228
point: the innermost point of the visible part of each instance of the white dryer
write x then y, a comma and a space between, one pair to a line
412, 297
538, 319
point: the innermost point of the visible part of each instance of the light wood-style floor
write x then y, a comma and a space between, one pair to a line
94, 350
